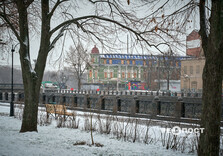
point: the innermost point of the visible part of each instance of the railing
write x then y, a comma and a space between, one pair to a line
125, 92
140, 104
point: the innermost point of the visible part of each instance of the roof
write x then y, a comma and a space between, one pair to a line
95, 50
138, 57
194, 35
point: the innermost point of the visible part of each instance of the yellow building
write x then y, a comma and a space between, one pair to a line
191, 74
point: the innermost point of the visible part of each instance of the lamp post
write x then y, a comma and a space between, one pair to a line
12, 97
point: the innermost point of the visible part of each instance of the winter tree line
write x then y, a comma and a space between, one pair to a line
54, 76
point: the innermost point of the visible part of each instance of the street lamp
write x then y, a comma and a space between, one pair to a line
11, 103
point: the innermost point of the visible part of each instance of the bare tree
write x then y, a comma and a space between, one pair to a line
97, 24
211, 31
77, 59
169, 69
159, 28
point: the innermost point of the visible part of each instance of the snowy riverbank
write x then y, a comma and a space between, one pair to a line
51, 140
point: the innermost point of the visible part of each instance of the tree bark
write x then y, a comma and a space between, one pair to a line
211, 110
29, 122
32, 78
212, 43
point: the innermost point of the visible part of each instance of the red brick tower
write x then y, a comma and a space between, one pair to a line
193, 44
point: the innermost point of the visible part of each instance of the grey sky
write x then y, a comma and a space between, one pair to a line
83, 10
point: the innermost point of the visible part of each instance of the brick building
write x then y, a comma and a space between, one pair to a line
194, 44
192, 69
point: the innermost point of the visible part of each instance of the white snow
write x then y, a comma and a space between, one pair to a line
51, 140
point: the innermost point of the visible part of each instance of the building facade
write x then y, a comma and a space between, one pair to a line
191, 74
192, 69
115, 71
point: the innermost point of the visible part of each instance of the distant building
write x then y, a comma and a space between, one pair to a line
115, 71
191, 74
194, 44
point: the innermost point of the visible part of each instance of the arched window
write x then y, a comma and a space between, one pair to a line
105, 74
133, 62
135, 74
123, 74
96, 74
111, 74
90, 73
129, 75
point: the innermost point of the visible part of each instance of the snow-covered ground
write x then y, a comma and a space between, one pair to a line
50, 141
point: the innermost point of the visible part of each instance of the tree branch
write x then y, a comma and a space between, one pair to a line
55, 7
75, 21
12, 27
57, 37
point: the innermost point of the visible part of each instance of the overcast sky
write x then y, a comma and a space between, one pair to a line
54, 55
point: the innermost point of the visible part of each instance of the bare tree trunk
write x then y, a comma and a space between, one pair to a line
211, 110
92, 138
30, 114
212, 43
32, 78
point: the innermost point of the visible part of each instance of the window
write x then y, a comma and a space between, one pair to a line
96, 74
177, 64
90, 74
110, 61
123, 74
133, 62
127, 61
104, 61
111, 75
191, 69
122, 61
135, 75
144, 62
197, 69
106, 75
129, 75
185, 69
